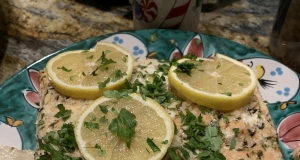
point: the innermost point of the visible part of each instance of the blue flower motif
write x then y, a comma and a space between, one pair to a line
287, 89
117, 40
278, 71
137, 50
279, 92
285, 92
273, 73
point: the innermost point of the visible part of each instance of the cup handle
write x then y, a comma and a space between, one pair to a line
130, 1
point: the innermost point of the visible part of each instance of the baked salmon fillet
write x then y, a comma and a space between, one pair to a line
251, 127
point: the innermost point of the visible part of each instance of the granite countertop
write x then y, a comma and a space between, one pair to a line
31, 29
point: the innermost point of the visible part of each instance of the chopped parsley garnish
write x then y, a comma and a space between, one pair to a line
265, 101
64, 142
83, 73
165, 142
198, 41
41, 122
85, 51
72, 77
153, 37
185, 67
218, 66
235, 130
90, 57
102, 85
172, 152
124, 58
101, 152
258, 116
190, 55
124, 125
232, 144
155, 90
104, 62
92, 124
152, 145
117, 94
114, 111
103, 108
227, 93
65, 69
247, 73
103, 120
220, 83
225, 119
164, 68
206, 138
118, 74
241, 84
142, 67
63, 112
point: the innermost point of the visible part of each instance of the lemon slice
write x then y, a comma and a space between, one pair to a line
153, 122
221, 83
79, 73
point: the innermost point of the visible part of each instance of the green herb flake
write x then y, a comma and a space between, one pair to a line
124, 125
63, 112
57, 145
83, 73
164, 68
220, 83
247, 73
72, 77
91, 125
198, 42
232, 144
117, 74
165, 142
218, 66
124, 58
114, 111
225, 119
103, 120
104, 62
236, 130
142, 67
227, 93
172, 109
153, 37
41, 122
101, 152
185, 67
117, 94
241, 84
90, 57
64, 69
265, 101
103, 108
152, 145
259, 116
102, 85
85, 51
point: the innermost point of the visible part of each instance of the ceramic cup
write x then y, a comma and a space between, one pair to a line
167, 14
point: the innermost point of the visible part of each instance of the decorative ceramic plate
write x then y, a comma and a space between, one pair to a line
279, 85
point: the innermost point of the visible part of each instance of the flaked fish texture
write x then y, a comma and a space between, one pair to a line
11, 153
256, 137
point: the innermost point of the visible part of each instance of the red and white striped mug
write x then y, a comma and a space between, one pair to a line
168, 14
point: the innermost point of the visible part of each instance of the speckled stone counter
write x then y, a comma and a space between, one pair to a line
31, 29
